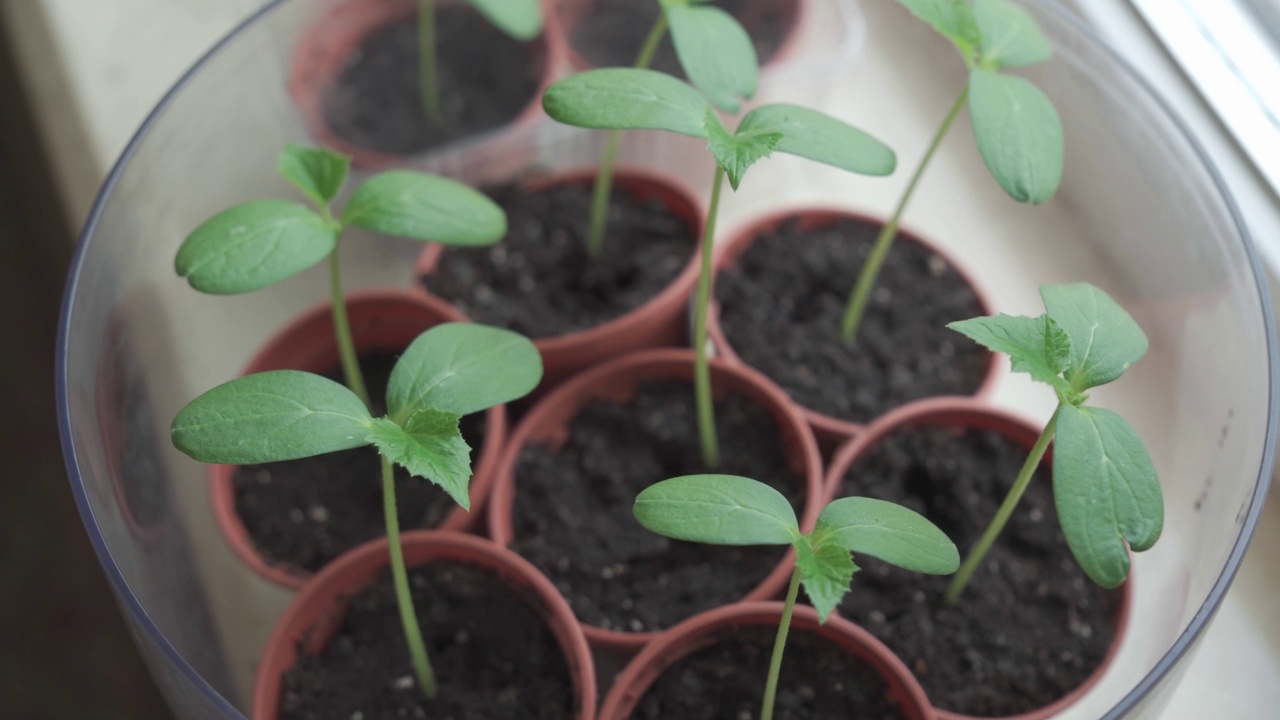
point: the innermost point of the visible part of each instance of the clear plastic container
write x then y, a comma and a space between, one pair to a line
1140, 213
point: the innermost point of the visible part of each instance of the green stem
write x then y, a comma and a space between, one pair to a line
961, 579
342, 331
701, 369
427, 60
400, 578
775, 663
871, 270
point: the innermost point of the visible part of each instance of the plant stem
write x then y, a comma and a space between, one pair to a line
775, 662
342, 331
400, 577
604, 178
979, 551
871, 270
701, 369
427, 60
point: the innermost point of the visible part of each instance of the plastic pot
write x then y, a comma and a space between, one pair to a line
382, 321
316, 612
547, 423
704, 630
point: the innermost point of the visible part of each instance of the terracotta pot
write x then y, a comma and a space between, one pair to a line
704, 630
659, 322
315, 614
381, 321
829, 429
970, 413
325, 47
547, 423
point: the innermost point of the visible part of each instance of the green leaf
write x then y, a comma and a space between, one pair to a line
816, 136
1105, 340
1010, 37
1034, 345
735, 153
1019, 134
627, 99
426, 207
280, 415
1106, 491
318, 173
429, 446
521, 19
253, 245
718, 509
825, 574
887, 531
952, 18
462, 368
716, 53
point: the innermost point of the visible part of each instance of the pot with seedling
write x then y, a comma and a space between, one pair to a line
733, 510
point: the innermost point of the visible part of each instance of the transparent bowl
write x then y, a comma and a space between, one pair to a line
1141, 213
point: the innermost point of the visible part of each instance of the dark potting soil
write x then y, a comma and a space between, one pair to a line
494, 657
304, 513
540, 280
486, 78
1029, 628
781, 309
573, 516
726, 682
612, 32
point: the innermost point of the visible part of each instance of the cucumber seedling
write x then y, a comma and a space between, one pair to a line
632, 99
1015, 124
732, 510
1104, 483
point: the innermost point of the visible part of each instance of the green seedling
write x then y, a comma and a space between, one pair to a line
521, 19
449, 371
717, 55
632, 99
731, 510
1017, 128
1104, 483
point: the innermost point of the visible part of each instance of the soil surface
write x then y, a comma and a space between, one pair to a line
540, 280
1029, 628
612, 32
573, 517
726, 682
486, 78
782, 304
304, 513
494, 657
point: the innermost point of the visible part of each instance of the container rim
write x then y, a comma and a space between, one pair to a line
152, 634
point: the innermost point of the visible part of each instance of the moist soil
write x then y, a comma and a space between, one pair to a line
494, 657
573, 516
540, 280
486, 78
1029, 628
782, 304
725, 682
304, 513
611, 32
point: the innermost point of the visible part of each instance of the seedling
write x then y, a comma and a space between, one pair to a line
1017, 128
1104, 483
521, 19
717, 55
631, 99
732, 510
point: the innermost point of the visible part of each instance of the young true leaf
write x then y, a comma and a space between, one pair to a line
521, 19
627, 99
719, 510
738, 152
271, 416
1036, 346
317, 172
822, 138
826, 573
1018, 133
887, 531
252, 246
1106, 490
953, 19
425, 207
1010, 37
715, 52
428, 445
1105, 340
